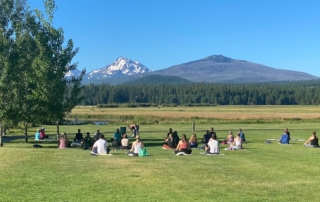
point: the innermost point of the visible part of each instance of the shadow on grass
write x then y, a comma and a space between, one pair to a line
148, 142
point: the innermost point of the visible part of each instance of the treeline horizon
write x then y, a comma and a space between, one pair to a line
203, 94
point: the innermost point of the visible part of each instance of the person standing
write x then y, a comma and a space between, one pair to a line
134, 129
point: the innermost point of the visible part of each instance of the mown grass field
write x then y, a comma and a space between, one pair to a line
260, 172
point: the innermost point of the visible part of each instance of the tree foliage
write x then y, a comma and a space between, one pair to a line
293, 93
33, 61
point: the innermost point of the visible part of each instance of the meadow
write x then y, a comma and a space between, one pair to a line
260, 172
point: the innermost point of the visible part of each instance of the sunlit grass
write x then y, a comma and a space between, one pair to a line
260, 172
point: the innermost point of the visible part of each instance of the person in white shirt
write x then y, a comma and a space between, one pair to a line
136, 146
237, 143
124, 142
101, 146
213, 145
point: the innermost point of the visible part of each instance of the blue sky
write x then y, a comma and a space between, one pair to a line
283, 34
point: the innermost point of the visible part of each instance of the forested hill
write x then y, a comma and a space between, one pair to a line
293, 93
221, 69
158, 79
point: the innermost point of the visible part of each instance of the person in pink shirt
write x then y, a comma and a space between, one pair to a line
42, 134
63, 141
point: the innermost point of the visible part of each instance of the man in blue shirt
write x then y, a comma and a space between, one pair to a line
242, 135
284, 138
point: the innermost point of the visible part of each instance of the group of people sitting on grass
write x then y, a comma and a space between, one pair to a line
100, 146
311, 142
40, 134
211, 144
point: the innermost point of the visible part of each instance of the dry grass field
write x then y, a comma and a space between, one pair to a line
216, 112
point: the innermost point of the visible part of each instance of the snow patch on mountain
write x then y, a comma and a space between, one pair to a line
70, 73
121, 67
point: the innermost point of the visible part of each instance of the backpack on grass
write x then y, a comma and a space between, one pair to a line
143, 152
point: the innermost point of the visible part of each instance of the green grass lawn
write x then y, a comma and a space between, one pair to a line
260, 172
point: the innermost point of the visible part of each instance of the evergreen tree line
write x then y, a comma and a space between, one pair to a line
296, 93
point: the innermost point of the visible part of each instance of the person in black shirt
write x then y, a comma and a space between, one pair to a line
170, 131
312, 141
288, 133
79, 137
206, 138
87, 142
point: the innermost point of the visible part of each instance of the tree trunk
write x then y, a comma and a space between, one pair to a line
1, 143
58, 134
26, 132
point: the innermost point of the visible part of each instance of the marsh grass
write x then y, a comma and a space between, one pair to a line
260, 172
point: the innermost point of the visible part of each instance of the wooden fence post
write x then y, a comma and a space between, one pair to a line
193, 126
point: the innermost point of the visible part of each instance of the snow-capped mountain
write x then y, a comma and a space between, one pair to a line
71, 73
121, 67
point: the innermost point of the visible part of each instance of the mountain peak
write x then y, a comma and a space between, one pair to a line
120, 67
219, 58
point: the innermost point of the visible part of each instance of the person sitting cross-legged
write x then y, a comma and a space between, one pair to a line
63, 142
242, 136
136, 146
117, 137
206, 138
78, 137
183, 146
37, 135
237, 143
96, 136
213, 145
169, 142
193, 141
43, 134
284, 139
87, 142
100, 147
124, 142
312, 141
